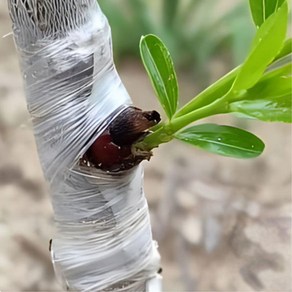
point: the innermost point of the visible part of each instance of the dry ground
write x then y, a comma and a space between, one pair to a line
222, 224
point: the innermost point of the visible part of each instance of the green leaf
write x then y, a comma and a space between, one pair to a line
286, 49
269, 110
159, 66
223, 140
210, 94
281, 66
273, 84
270, 99
268, 42
262, 9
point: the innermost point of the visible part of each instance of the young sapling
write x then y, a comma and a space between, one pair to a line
260, 88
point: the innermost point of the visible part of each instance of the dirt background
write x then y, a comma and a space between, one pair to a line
222, 224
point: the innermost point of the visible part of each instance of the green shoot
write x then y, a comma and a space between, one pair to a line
259, 88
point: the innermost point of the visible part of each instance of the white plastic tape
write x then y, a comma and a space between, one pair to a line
103, 239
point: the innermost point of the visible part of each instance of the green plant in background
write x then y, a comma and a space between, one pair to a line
259, 88
193, 31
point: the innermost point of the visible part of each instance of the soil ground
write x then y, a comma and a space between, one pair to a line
222, 224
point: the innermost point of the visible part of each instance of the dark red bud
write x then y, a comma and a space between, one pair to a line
113, 149
103, 153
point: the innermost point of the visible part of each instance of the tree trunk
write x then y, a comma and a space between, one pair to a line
103, 239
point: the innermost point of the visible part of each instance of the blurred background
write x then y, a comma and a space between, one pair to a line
221, 224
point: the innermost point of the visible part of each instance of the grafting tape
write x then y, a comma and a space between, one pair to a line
103, 239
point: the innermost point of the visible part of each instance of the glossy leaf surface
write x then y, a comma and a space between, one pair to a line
159, 66
266, 45
262, 9
268, 110
270, 99
223, 140
273, 84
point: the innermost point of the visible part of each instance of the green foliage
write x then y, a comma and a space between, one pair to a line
267, 43
262, 9
270, 99
161, 72
259, 88
286, 49
223, 140
268, 110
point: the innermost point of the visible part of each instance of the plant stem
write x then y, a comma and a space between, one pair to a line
211, 101
216, 90
165, 133
217, 107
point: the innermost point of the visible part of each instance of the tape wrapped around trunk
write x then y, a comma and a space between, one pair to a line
103, 239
